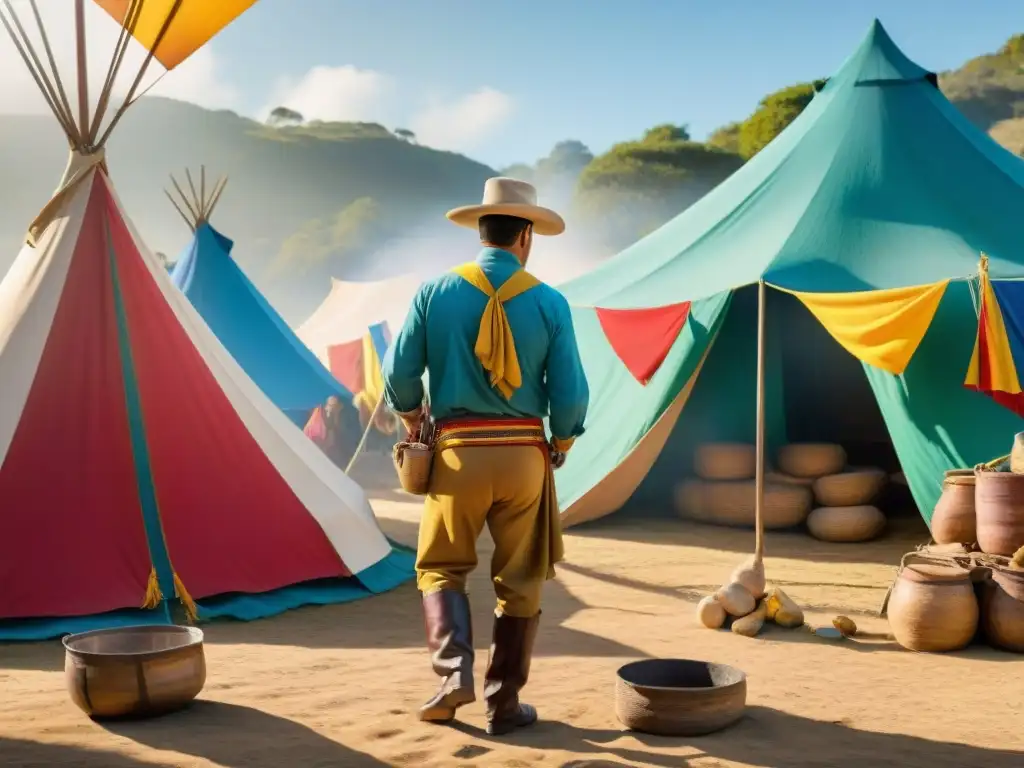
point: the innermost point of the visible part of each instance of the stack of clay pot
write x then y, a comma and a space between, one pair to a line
943, 593
843, 496
723, 492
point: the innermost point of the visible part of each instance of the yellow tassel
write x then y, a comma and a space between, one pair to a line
153, 594
186, 599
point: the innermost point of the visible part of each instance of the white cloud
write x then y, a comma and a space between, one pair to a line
347, 93
462, 124
198, 79
344, 93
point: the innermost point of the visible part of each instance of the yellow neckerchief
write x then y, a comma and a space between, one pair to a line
495, 347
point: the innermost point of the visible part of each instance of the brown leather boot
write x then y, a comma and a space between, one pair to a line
450, 641
508, 669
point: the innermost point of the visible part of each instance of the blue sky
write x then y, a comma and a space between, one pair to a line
600, 70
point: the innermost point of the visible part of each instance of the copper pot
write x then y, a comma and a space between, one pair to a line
134, 671
933, 607
999, 508
1002, 609
953, 520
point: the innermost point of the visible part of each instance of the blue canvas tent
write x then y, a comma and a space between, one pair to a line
244, 321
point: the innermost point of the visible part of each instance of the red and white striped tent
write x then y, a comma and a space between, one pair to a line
137, 459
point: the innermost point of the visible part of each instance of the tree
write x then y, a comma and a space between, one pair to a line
521, 171
282, 116
405, 135
727, 137
637, 186
667, 132
566, 159
321, 245
773, 115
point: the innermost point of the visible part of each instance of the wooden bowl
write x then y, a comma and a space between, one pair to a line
733, 502
725, 461
846, 524
134, 671
811, 459
679, 697
850, 488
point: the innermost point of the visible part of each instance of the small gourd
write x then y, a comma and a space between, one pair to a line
750, 574
845, 625
1017, 561
783, 610
736, 600
751, 624
710, 613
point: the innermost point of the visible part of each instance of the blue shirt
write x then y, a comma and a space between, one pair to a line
440, 334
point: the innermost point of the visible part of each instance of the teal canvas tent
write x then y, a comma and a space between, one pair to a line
865, 218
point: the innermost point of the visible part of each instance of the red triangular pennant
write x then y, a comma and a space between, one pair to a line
642, 337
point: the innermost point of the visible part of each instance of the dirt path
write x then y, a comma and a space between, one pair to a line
338, 686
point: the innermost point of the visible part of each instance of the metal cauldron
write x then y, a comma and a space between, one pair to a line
134, 671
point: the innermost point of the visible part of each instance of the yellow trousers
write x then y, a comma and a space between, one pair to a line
502, 486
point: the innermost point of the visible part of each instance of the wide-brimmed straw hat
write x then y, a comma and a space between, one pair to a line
509, 197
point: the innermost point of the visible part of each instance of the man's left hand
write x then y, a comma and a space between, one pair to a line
557, 459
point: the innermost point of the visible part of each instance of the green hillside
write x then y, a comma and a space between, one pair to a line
310, 201
282, 181
637, 186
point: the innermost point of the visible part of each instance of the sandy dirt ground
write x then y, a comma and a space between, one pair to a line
338, 686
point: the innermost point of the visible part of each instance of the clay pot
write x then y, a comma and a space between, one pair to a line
1002, 609
933, 608
999, 512
953, 520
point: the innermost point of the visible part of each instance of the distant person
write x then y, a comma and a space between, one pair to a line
326, 428
502, 355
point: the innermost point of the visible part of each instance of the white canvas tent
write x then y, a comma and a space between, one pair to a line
352, 306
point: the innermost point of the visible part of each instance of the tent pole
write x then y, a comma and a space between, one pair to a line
759, 469
83, 69
366, 435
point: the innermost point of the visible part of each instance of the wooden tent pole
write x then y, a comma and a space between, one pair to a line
366, 435
83, 69
759, 469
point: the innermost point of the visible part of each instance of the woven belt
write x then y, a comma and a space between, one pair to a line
466, 432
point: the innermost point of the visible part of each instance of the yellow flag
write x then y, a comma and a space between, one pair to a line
193, 23
882, 328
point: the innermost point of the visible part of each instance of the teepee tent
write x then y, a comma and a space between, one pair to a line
865, 220
238, 314
139, 464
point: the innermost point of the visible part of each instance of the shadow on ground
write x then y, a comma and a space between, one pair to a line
397, 623
33, 754
233, 736
764, 737
902, 535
